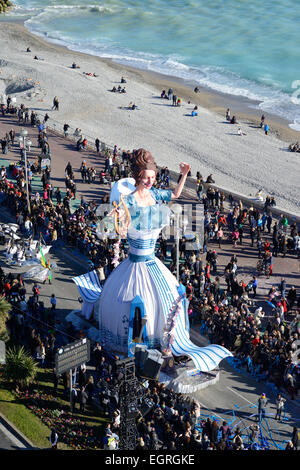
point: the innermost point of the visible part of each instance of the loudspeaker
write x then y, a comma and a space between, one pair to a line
146, 406
140, 355
153, 363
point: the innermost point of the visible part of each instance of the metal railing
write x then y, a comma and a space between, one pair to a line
57, 127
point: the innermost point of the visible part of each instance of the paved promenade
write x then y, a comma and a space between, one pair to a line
63, 150
71, 263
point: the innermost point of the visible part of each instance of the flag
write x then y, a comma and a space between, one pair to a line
43, 261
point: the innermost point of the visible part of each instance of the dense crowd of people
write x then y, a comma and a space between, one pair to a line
220, 301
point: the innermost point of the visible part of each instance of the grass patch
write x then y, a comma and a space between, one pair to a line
23, 419
15, 410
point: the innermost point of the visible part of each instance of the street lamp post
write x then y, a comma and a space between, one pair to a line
25, 142
177, 209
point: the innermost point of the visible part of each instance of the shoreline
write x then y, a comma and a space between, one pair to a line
207, 142
208, 98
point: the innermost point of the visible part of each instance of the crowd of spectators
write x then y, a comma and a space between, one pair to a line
166, 420
220, 301
225, 306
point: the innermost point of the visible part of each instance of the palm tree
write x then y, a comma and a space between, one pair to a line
20, 368
4, 5
5, 308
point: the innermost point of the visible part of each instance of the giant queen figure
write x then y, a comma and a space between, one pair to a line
141, 298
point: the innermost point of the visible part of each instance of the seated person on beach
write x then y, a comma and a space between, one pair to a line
294, 147
74, 66
240, 132
233, 120
77, 131
28, 49
132, 105
196, 89
37, 58
114, 89
123, 90
123, 80
90, 74
163, 94
210, 179
195, 111
259, 195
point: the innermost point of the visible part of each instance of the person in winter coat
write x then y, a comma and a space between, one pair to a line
295, 438
83, 397
53, 439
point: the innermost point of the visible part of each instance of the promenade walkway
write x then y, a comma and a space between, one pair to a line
63, 150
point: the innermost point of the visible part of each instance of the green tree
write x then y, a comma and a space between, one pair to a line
5, 308
4, 5
20, 368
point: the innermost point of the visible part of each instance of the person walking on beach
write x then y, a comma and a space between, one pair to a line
266, 129
55, 103
97, 145
66, 128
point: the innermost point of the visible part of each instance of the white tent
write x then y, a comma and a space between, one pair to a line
89, 289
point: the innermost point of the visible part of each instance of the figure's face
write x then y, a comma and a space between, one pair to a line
147, 179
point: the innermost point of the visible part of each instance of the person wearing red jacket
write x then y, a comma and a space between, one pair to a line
255, 341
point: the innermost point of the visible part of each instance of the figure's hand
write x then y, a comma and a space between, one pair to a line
184, 168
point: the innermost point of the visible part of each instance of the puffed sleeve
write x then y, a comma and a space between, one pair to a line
162, 194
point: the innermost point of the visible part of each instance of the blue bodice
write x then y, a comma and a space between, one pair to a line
146, 223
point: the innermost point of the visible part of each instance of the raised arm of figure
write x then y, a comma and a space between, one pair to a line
184, 170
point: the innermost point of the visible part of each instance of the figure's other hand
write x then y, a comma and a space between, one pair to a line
184, 168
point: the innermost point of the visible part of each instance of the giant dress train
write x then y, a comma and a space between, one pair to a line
144, 275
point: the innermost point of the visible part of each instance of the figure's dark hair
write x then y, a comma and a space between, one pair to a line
141, 160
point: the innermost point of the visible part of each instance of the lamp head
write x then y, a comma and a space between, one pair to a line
23, 132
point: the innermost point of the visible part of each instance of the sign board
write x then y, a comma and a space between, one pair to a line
45, 162
2, 352
72, 355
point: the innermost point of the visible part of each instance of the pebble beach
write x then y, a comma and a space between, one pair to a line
240, 163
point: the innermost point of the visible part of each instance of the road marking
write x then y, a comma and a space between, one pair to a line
11, 437
241, 396
203, 406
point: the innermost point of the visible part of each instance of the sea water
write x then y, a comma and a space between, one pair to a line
238, 47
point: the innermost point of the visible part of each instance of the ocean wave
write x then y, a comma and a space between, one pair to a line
92, 8
54, 10
44, 21
295, 125
269, 98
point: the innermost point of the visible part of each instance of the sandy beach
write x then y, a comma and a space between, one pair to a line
242, 164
